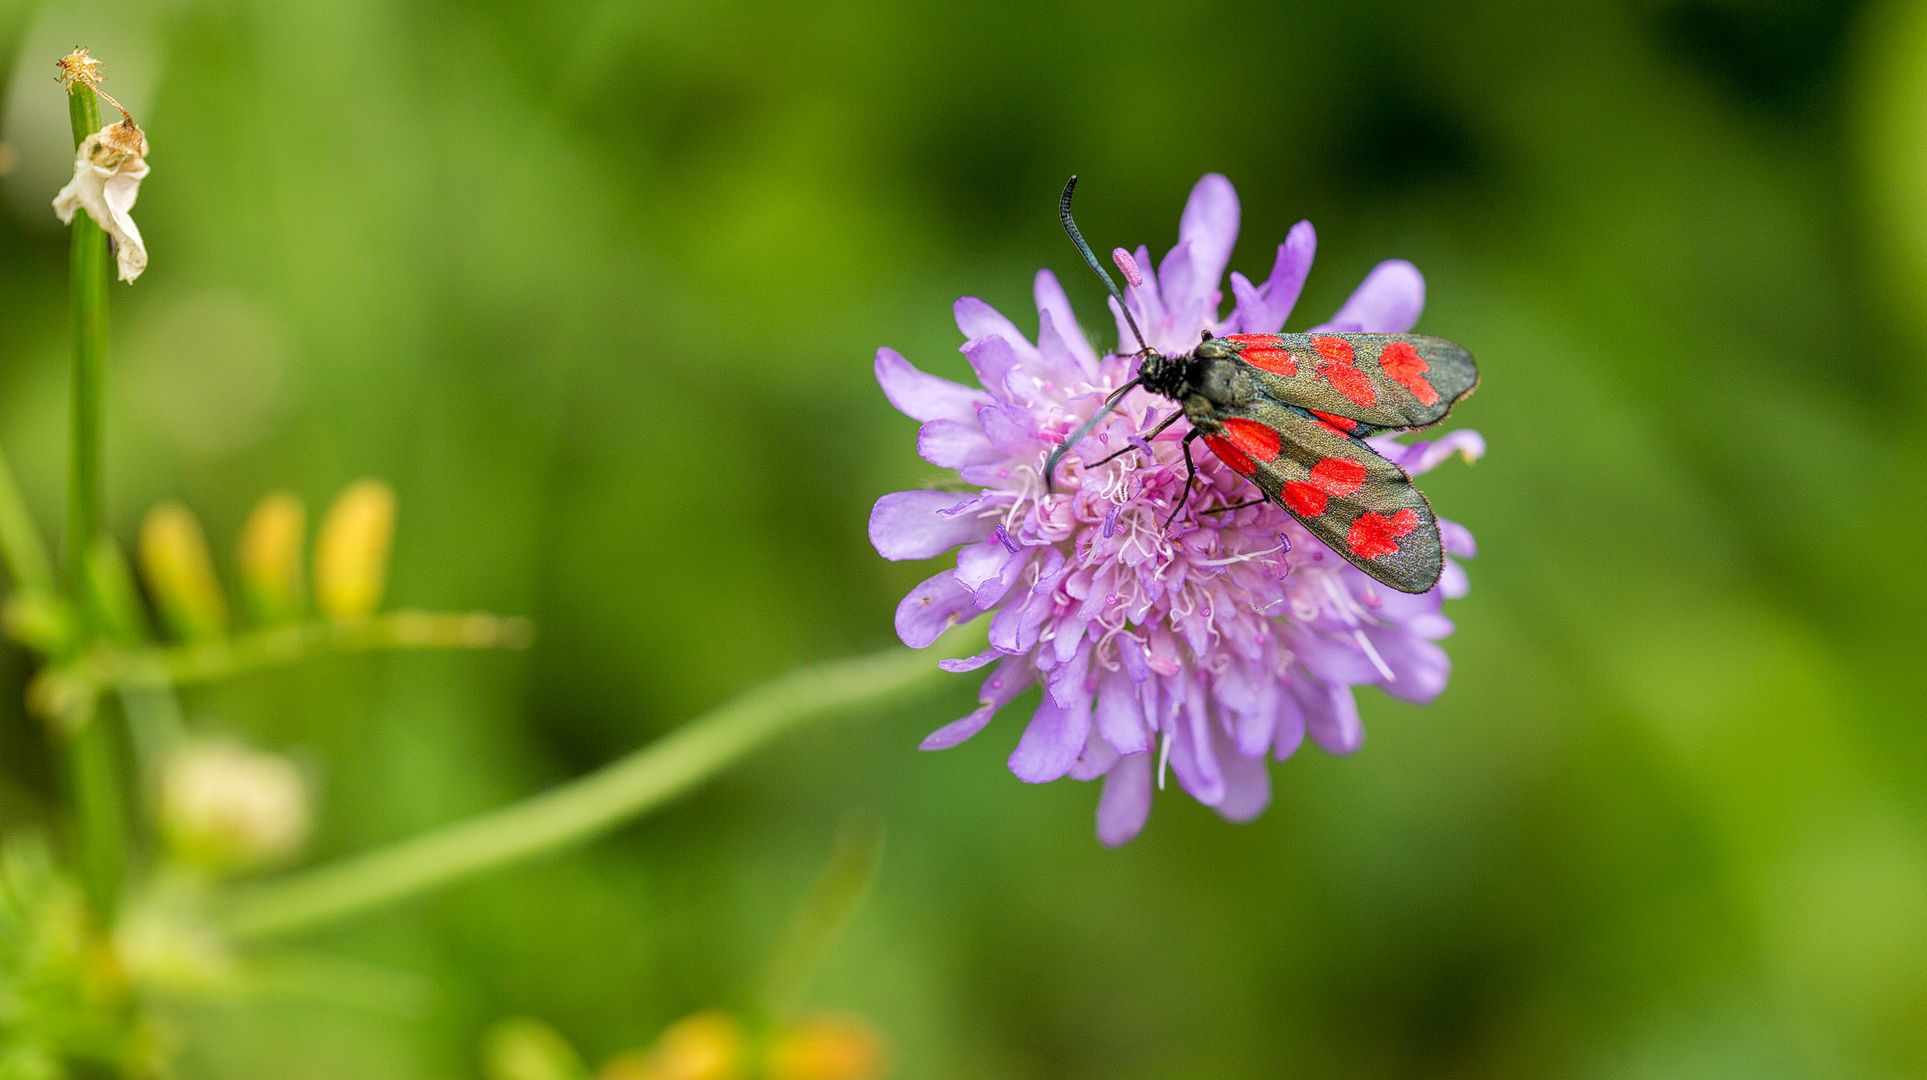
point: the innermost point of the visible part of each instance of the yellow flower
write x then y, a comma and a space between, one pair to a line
351, 554
827, 1047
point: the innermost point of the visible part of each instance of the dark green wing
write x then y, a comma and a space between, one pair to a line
1377, 381
1362, 506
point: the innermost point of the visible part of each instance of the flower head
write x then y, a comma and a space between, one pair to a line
227, 807
108, 170
1203, 647
78, 69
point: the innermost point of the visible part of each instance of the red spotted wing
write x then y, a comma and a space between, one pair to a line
1362, 506
1361, 383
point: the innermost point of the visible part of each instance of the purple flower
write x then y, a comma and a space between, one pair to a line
1199, 649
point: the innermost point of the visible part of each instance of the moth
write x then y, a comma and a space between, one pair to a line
1290, 412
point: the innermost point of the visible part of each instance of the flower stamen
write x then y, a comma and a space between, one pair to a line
1371, 653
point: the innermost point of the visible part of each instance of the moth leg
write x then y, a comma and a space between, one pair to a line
1190, 474
1239, 506
1147, 437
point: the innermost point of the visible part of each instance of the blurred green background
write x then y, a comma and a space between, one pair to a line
597, 287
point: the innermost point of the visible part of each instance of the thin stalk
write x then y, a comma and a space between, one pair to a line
86, 490
839, 891
575, 811
106, 666
93, 766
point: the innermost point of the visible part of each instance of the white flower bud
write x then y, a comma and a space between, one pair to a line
226, 807
108, 169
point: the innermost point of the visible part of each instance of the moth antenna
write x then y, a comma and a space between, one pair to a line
1050, 465
1084, 249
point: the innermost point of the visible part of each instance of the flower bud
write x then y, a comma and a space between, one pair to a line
42, 621
270, 558
351, 554
226, 807
180, 574
827, 1047
524, 1048
706, 1046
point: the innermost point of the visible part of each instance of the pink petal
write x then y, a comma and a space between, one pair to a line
1052, 301
1126, 803
1464, 442
1331, 715
1051, 742
992, 358
1457, 539
1264, 309
1388, 301
1120, 717
922, 396
958, 731
1247, 783
1096, 760
1290, 731
977, 319
909, 525
1210, 225
954, 444
930, 609
1012, 677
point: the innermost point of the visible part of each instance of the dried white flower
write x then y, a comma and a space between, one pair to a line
227, 807
108, 169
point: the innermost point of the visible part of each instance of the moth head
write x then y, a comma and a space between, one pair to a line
1163, 374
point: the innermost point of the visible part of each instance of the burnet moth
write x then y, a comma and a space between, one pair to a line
1290, 412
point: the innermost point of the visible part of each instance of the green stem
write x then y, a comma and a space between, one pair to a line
58, 689
94, 777
839, 891
93, 764
634, 785
86, 492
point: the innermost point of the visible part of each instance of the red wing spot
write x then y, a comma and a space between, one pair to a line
1304, 499
1256, 341
1339, 476
1373, 535
1231, 455
1277, 360
1403, 363
1253, 438
1331, 476
1350, 382
1333, 348
1345, 424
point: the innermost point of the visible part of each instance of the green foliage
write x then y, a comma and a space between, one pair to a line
65, 1007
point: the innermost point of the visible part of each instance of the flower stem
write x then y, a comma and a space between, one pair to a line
839, 891
93, 766
139, 667
627, 788
86, 492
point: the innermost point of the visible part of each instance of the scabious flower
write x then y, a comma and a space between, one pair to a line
1203, 647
